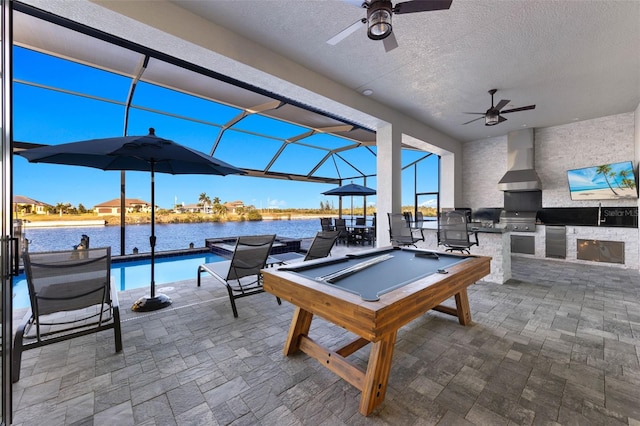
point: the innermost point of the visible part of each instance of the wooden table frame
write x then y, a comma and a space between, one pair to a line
374, 322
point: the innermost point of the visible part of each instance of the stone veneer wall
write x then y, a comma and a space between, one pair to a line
484, 162
559, 148
581, 144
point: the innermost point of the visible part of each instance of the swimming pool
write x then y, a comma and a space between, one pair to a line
129, 274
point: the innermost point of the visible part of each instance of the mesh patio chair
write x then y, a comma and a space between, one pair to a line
71, 295
241, 275
415, 226
399, 231
454, 233
344, 235
326, 224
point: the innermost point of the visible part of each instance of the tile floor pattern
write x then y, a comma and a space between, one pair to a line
559, 344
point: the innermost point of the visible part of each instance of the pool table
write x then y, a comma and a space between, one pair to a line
371, 294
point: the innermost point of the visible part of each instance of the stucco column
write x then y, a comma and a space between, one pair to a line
636, 140
447, 181
388, 191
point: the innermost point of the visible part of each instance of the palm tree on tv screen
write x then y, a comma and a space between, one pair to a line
605, 170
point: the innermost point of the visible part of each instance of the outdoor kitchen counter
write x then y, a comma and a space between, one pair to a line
493, 242
482, 230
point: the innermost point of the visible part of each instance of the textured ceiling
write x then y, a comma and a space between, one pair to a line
575, 60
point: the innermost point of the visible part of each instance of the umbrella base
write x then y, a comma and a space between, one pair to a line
146, 304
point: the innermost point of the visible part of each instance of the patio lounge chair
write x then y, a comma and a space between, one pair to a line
71, 295
241, 275
320, 247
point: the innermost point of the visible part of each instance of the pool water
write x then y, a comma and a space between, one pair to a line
130, 274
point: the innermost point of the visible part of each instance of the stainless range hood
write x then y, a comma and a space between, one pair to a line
521, 174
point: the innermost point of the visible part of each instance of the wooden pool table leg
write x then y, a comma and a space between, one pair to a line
462, 305
377, 375
300, 325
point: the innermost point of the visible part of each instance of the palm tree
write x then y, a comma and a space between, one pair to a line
204, 201
62, 207
605, 170
624, 178
218, 207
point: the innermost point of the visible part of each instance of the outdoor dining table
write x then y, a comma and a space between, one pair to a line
358, 232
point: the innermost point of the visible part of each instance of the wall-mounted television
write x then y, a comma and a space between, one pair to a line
615, 181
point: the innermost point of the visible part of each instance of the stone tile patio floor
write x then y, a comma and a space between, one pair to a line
558, 344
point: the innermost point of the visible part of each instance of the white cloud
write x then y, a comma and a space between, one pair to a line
429, 203
277, 204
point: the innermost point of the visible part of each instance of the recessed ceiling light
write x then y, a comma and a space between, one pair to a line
367, 92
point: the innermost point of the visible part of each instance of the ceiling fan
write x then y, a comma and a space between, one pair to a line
493, 115
378, 20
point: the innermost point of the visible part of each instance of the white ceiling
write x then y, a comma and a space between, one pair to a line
575, 60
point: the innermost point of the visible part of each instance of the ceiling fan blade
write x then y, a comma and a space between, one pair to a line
501, 119
421, 6
475, 119
477, 113
503, 103
519, 109
390, 42
347, 32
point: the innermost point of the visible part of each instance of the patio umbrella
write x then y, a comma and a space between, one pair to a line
140, 153
351, 190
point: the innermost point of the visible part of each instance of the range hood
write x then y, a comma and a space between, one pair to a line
521, 174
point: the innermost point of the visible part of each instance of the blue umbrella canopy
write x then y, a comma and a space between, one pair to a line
351, 189
139, 153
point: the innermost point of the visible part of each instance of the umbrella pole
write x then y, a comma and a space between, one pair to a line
160, 301
352, 210
152, 238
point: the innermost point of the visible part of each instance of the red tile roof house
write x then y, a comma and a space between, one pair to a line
26, 205
112, 207
231, 206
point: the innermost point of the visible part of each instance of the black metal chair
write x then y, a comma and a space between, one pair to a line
326, 224
344, 236
399, 230
454, 233
416, 228
71, 296
241, 275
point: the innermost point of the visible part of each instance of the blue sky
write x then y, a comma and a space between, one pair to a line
51, 117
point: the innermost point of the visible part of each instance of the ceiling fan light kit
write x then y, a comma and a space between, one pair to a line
491, 119
379, 19
493, 115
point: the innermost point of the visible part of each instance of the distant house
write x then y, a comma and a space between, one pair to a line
112, 207
26, 205
232, 206
193, 208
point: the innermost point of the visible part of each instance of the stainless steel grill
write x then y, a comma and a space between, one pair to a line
518, 221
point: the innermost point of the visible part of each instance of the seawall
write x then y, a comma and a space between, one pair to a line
56, 223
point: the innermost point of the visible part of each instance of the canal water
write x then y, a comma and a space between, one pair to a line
175, 236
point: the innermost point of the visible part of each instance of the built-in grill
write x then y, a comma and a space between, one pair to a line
518, 221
